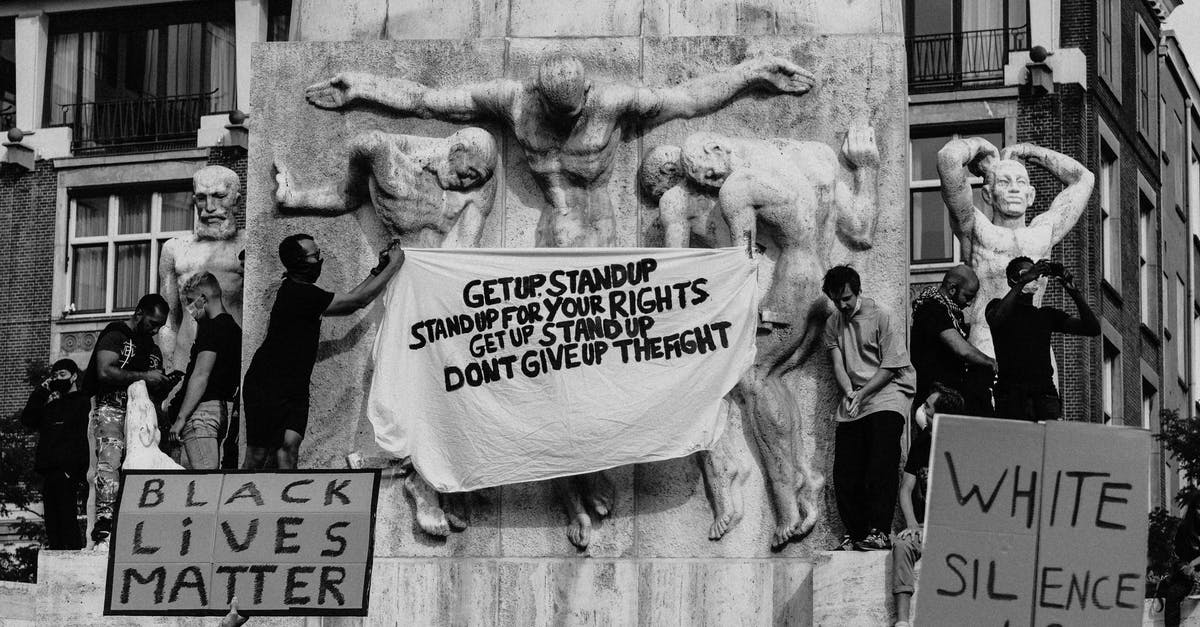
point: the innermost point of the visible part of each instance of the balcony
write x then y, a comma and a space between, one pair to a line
136, 125
963, 60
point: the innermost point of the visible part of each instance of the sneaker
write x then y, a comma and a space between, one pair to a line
101, 530
845, 544
875, 541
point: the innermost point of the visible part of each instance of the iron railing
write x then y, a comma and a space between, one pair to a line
965, 60
136, 125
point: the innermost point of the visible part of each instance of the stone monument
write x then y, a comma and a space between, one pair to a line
996, 233
214, 246
650, 560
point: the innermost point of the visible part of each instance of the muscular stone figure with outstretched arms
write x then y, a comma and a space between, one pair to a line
995, 234
788, 191
568, 124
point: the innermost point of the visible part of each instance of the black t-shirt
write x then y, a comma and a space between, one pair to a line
134, 353
285, 360
223, 336
1023, 344
917, 465
933, 359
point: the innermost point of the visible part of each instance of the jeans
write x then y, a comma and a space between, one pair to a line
866, 471
202, 434
905, 553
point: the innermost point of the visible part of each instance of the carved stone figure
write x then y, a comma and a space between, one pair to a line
142, 434
993, 235
787, 191
214, 246
429, 192
568, 124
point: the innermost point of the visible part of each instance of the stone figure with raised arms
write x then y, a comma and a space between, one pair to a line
789, 192
995, 234
568, 124
429, 192
213, 247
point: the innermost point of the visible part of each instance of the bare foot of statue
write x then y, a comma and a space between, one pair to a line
727, 487
601, 493
454, 504
579, 522
579, 531
787, 529
430, 517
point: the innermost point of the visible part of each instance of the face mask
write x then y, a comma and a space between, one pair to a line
195, 308
308, 272
922, 418
62, 386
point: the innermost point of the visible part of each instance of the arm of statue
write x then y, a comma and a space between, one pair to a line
1064, 212
673, 213
957, 160
965, 350
742, 192
464, 103
168, 288
858, 212
197, 383
705, 94
344, 304
466, 231
1087, 323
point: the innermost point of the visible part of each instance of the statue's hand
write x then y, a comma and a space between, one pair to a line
860, 148
782, 74
982, 154
334, 93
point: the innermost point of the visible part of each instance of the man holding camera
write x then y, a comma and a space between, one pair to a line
1021, 334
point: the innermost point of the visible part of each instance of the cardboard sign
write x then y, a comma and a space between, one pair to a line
1034, 524
285, 543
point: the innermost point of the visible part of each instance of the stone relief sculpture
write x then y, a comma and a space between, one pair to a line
789, 191
214, 246
569, 126
429, 192
994, 234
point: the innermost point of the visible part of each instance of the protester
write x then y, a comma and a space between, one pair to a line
58, 411
211, 381
125, 353
276, 386
867, 347
906, 546
939, 346
1021, 333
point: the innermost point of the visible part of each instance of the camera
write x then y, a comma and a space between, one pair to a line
1053, 269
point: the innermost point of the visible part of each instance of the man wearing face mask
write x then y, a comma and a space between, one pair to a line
1021, 333
58, 411
211, 381
275, 389
125, 353
940, 350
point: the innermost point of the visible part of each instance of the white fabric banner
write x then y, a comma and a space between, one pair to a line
508, 365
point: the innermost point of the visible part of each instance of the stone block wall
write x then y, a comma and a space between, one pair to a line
855, 48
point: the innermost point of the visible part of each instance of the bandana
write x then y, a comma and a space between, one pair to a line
934, 293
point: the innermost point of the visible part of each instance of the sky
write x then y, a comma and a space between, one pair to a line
1185, 21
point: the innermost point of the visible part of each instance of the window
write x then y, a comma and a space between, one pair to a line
1109, 44
933, 238
1180, 329
130, 55
963, 43
1149, 403
1110, 217
1193, 191
1110, 383
1147, 263
115, 240
1147, 89
1176, 156
8, 73
279, 18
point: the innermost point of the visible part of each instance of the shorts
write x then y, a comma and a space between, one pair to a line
268, 418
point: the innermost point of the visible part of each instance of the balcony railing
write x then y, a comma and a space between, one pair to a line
966, 60
136, 125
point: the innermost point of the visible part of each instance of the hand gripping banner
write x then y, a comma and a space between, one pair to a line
509, 365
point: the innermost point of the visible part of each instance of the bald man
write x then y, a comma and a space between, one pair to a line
940, 350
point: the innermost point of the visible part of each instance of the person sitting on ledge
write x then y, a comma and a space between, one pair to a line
1021, 333
906, 545
275, 389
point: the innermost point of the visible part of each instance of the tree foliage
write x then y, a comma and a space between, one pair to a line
20, 487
